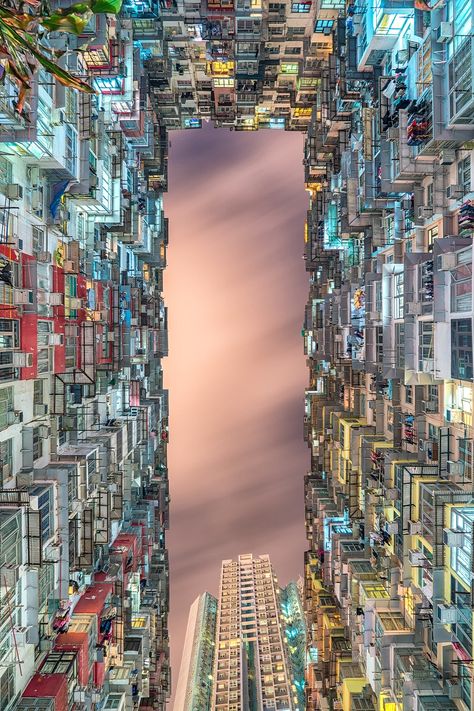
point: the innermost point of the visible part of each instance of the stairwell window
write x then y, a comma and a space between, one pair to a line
464, 174
44, 350
466, 457
425, 346
9, 341
71, 150
6, 460
6, 407
7, 688
6, 173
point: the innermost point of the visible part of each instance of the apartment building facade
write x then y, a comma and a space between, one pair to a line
194, 686
384, 94
388, 339
84, 412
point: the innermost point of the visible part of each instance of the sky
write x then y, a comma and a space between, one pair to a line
235, 287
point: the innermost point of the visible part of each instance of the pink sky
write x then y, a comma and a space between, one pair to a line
235, 288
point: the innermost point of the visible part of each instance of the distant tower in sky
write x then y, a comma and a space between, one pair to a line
251, 667
194, 689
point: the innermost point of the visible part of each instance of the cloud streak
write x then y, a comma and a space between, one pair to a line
236, 288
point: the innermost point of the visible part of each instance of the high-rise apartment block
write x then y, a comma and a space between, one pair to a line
384, 93
245, 652
194, 688
251, 669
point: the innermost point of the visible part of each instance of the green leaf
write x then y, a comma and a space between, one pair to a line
108, 6
71, 22
60, 74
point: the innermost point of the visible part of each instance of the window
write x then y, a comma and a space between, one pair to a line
398, 296
466, 457
289, 68
432, 235
7, 688
433, 397
37, 443
44, 350
464, 174
300, 7
400, 345
6, 407
71, 149
322, 25
461, 349
12, 275
6, 176
461, 555
9, 340
6, 460
409, 394
425, 346
429, 194
461, 282
38, 240
10, 535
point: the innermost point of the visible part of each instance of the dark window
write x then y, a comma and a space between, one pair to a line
461, 349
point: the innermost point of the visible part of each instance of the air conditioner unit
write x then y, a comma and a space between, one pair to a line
111, 336
391, 494
454, 688
44, 431
414, 528
20, 636
424, 212
9, 575
374, 315
455, 468
14, 416
51, 553
37, 200
429, 406
446, 262
57, 117
393, 133
40, 410
56, 298
392, 528
447, 614
69, 266
428, 365
447, 157
413, 308
454, 192
22, 360
454, 415
71, 330
13, 191
75, 303
416, 558
22, 296
43, 257
453, 539
56, 339
444, 33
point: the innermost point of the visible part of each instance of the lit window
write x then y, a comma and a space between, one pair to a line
300, 7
